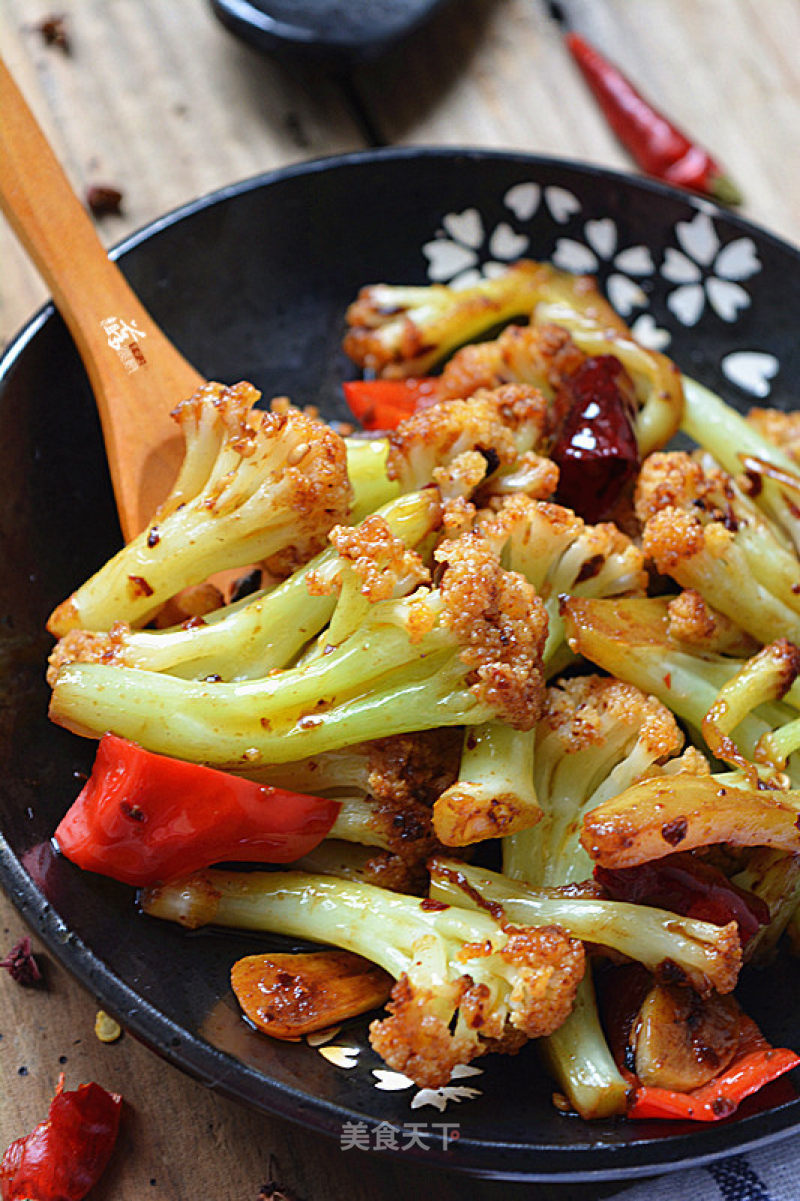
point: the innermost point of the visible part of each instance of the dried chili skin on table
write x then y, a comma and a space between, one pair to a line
654, 143
21, 965
65, 1155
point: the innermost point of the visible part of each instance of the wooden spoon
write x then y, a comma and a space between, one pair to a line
136, 373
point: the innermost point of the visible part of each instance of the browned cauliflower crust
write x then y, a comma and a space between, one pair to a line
413, 767
501, 625
701, 529
540, 969
692, 621
254, 486
588, 710
397, 330
540, 355
383, 564
781, 428
677, 480
88, 646
386, 789
501, 425
560, 555
417, 1042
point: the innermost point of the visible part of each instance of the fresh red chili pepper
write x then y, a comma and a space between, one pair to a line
381, 404
143, 818
64, 1157
596, 450
655, 144
685, 884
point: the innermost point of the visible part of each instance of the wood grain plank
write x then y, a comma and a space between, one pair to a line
497, 74
162, 102
488, 74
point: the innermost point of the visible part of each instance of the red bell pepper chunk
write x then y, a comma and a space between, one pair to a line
143, 818
381, 404
755, 1065
64, 1157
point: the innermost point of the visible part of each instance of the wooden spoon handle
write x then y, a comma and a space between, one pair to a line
136, 373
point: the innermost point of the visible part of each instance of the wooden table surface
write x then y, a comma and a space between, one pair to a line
156, 98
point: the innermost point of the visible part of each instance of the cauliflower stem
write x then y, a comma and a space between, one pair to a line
465, 985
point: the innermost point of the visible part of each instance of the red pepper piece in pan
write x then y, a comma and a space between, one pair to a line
381, 404
596, 449
64, 1157
143, 818
655, 144
755, 1065
685, 884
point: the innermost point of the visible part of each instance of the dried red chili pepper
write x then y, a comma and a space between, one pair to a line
655, 144
596, 450
21, 964
685, 884
64, 1157
142, 818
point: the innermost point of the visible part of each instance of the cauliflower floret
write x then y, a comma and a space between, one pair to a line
501, 626
593, 711
382, 563
525, 989
540, 355
466, 983
399, 330
702, 530
255, 486
501, 425
781, 428
459, 653
597, 735
692, 621
563, 556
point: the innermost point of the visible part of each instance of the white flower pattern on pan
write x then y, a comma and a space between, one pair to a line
437, 1097
645, 330
602, 246
342, 1056
454, 254
524, 198
751, 370
704, 269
